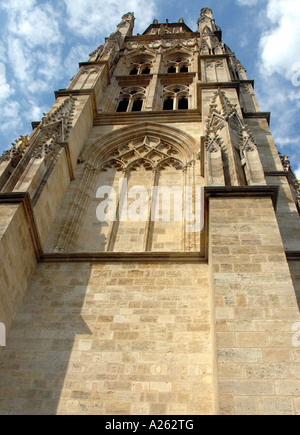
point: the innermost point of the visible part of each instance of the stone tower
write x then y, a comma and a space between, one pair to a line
146, 311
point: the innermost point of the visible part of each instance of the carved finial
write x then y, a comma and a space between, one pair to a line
285, 162
206, 12
129, 16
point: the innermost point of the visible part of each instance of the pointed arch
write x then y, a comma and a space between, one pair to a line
177, 50
97, 153
241, 161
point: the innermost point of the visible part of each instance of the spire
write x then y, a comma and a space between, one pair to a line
206, 24
115, 41
126, 25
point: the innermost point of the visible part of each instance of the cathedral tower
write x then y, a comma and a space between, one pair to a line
150, 243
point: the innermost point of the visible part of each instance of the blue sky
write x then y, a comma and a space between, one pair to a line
41, 43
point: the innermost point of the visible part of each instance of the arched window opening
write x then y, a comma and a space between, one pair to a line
183, 103
178, 64
179, 96
146, 70
134, 71
137, 105
141, 64
168, 103
131, 98
171, 69
123, 105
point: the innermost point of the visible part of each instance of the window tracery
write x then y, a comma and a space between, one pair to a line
141, 65
178, 63
131, 99
151, 153
176, 97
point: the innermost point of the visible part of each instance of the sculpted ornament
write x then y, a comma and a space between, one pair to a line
17, 150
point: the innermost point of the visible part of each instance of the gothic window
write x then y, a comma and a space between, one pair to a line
137, 105
171, 69
176, 97
146, 70
183, 103
134, 71
168, 103
141, 65
123, 104
131, 99
178, 64
157, 166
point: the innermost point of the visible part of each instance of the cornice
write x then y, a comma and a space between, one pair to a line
24, 199
293, 255
78, 93
276, 174
242, 191
144, 37
158, 25
116, 257
257, 115
162, 116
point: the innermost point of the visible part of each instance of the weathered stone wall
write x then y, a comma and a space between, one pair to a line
17, 259
258, 367
295, 273
111, 338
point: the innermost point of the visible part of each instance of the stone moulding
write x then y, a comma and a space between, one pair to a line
140, 257
24, 199
242, 191
177, 257
293, 255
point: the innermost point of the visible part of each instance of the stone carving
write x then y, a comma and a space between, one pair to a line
220, 109
55, 129
97, 52
247, 143
292, 179
285, 162
223, 114
150, 153
17, 150
113, 44
246, 89
212, 144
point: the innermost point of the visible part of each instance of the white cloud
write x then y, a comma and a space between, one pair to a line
76, 52
36, 27
10, 115
33, 39
5, 89
247, 2
280, 43
90, 17
33, 24
297, 172
2, 50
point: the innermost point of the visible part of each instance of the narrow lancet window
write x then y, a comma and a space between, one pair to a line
168, 103
183, 103
137, 105
123, 105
